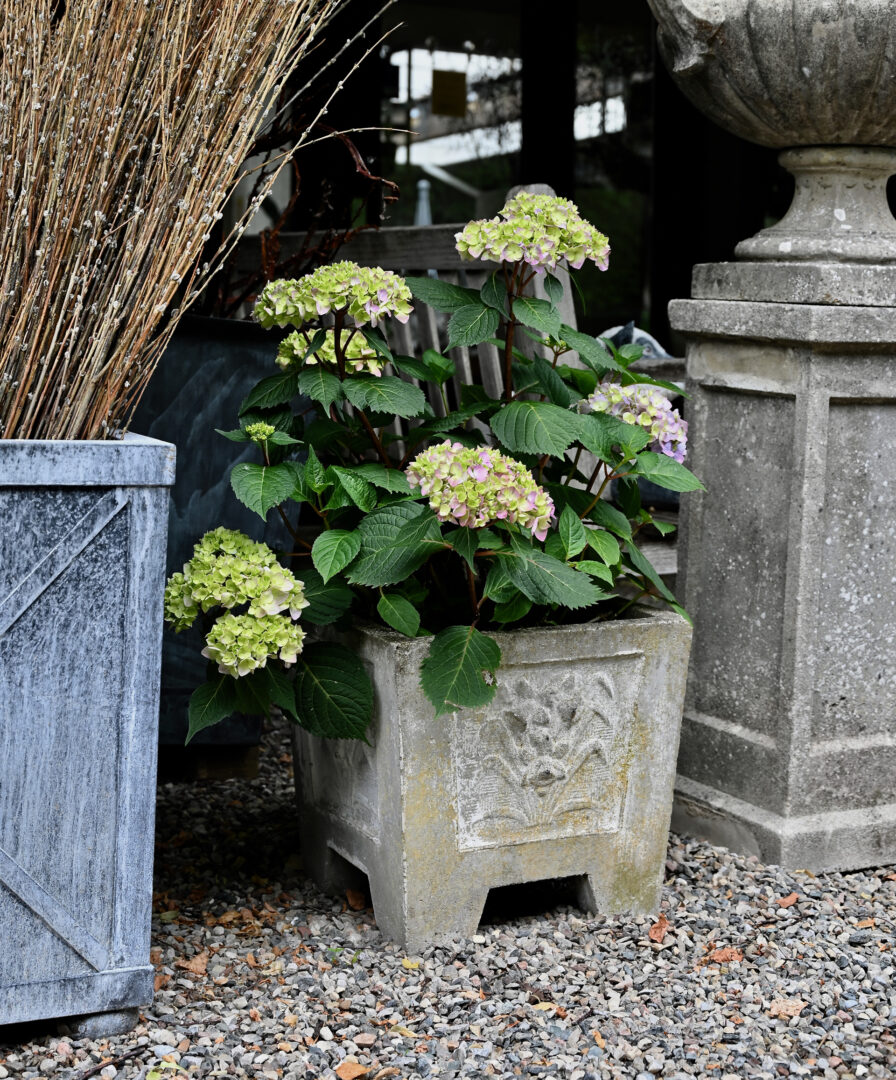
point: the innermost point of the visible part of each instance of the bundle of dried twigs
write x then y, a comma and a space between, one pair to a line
123, 128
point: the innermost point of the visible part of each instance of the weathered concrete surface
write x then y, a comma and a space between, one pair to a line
850, 284
82, 549
788, 741
568, 772
786, 72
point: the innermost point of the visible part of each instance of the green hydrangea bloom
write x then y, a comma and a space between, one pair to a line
540, 230
228, 570
240, 644
260, 432
359, 356
367, 293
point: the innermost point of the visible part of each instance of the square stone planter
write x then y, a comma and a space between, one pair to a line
568, 772
82, 562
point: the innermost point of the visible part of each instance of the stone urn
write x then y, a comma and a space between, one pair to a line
817, 77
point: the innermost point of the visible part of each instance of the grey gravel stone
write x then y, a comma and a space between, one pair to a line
297, 983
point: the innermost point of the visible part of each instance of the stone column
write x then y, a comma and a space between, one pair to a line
788, 562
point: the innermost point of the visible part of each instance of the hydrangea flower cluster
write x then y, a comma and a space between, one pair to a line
359, 356
240, 644
646, 407
475, 486
367, 292
537, 229
228, 570
260, 432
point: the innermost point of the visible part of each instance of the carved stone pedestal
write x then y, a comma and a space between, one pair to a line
568, 772
789, 563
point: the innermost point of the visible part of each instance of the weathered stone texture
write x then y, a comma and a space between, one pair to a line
81, 574
568, 773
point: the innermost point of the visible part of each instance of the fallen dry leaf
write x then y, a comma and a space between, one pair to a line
397, 1029
599, 1039
411, 965
659, 929
787, 1007
357, 901
290, 1019
196, 964
543, 1006
250, 960
349, 1070
390, 1070
286, 1047
730, 954
160, 981
864, 924
183, 1046
155, 956
255, 1015
788, 901
889, 877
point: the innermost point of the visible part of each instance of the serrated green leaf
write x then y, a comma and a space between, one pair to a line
280, 689
210, 703
601, 434
665, 471
320, 385
553, 386
515, 609
280, 438
334, 550
392, 480
610, 518
535, 427
441, 367
274, 390
261, 487
315, 474
572, 532
377, 342
359, 491
605, 544
334, 696
453, 673
328, 601
494, 292
278, 416
385, 559
639, 562
663, 527
386, 393
553, 545
539, 314
235, 436
412, 365
554, 288
596, 569
399, 613
441, 295
546, 580
591, 351
465, 542
498, 586
457, 418
471, 324
631, 352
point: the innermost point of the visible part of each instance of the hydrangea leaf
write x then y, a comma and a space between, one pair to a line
601, 434
235, 436
399, 613
392, 480
334, 695
261, 487
572, 532
315, 474
453, 673
539, 314
274, 390
210, 703
333, 550
385, 393
605, 544
359, 491
546, 580
591, 352
596, 569
321, 386
465, 542
384, 558
550, 382
441, 295
554, 288
328, 601
637, 561
665, 471
608, 516
518, 607
471, 324
494, 293
535, 427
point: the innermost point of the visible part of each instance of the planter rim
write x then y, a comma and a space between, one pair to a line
132, 461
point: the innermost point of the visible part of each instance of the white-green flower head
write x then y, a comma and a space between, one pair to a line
366, 293
476, 486
359, 356
240, 644
260, 432
540, 230
643, 406
228, 570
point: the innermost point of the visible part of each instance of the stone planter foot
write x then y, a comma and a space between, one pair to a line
100, 1025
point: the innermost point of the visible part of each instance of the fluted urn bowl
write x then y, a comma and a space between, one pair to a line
817, 77
787, 73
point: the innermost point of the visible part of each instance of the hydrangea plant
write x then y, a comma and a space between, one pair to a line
474, 512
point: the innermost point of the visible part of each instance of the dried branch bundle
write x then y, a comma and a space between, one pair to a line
123, 128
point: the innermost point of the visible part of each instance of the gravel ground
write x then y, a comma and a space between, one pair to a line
759, 973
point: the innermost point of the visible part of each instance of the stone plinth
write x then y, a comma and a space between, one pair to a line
788, 563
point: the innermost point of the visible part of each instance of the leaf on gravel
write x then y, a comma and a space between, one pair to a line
411, 965
787, 1007
350, 1070
659, 929
599, 1039
788, 901
356, 900
729, 954
543, 1006
397, 1029
197, 964
865, 924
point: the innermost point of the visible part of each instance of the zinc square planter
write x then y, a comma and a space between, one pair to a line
82, 561
568, 772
